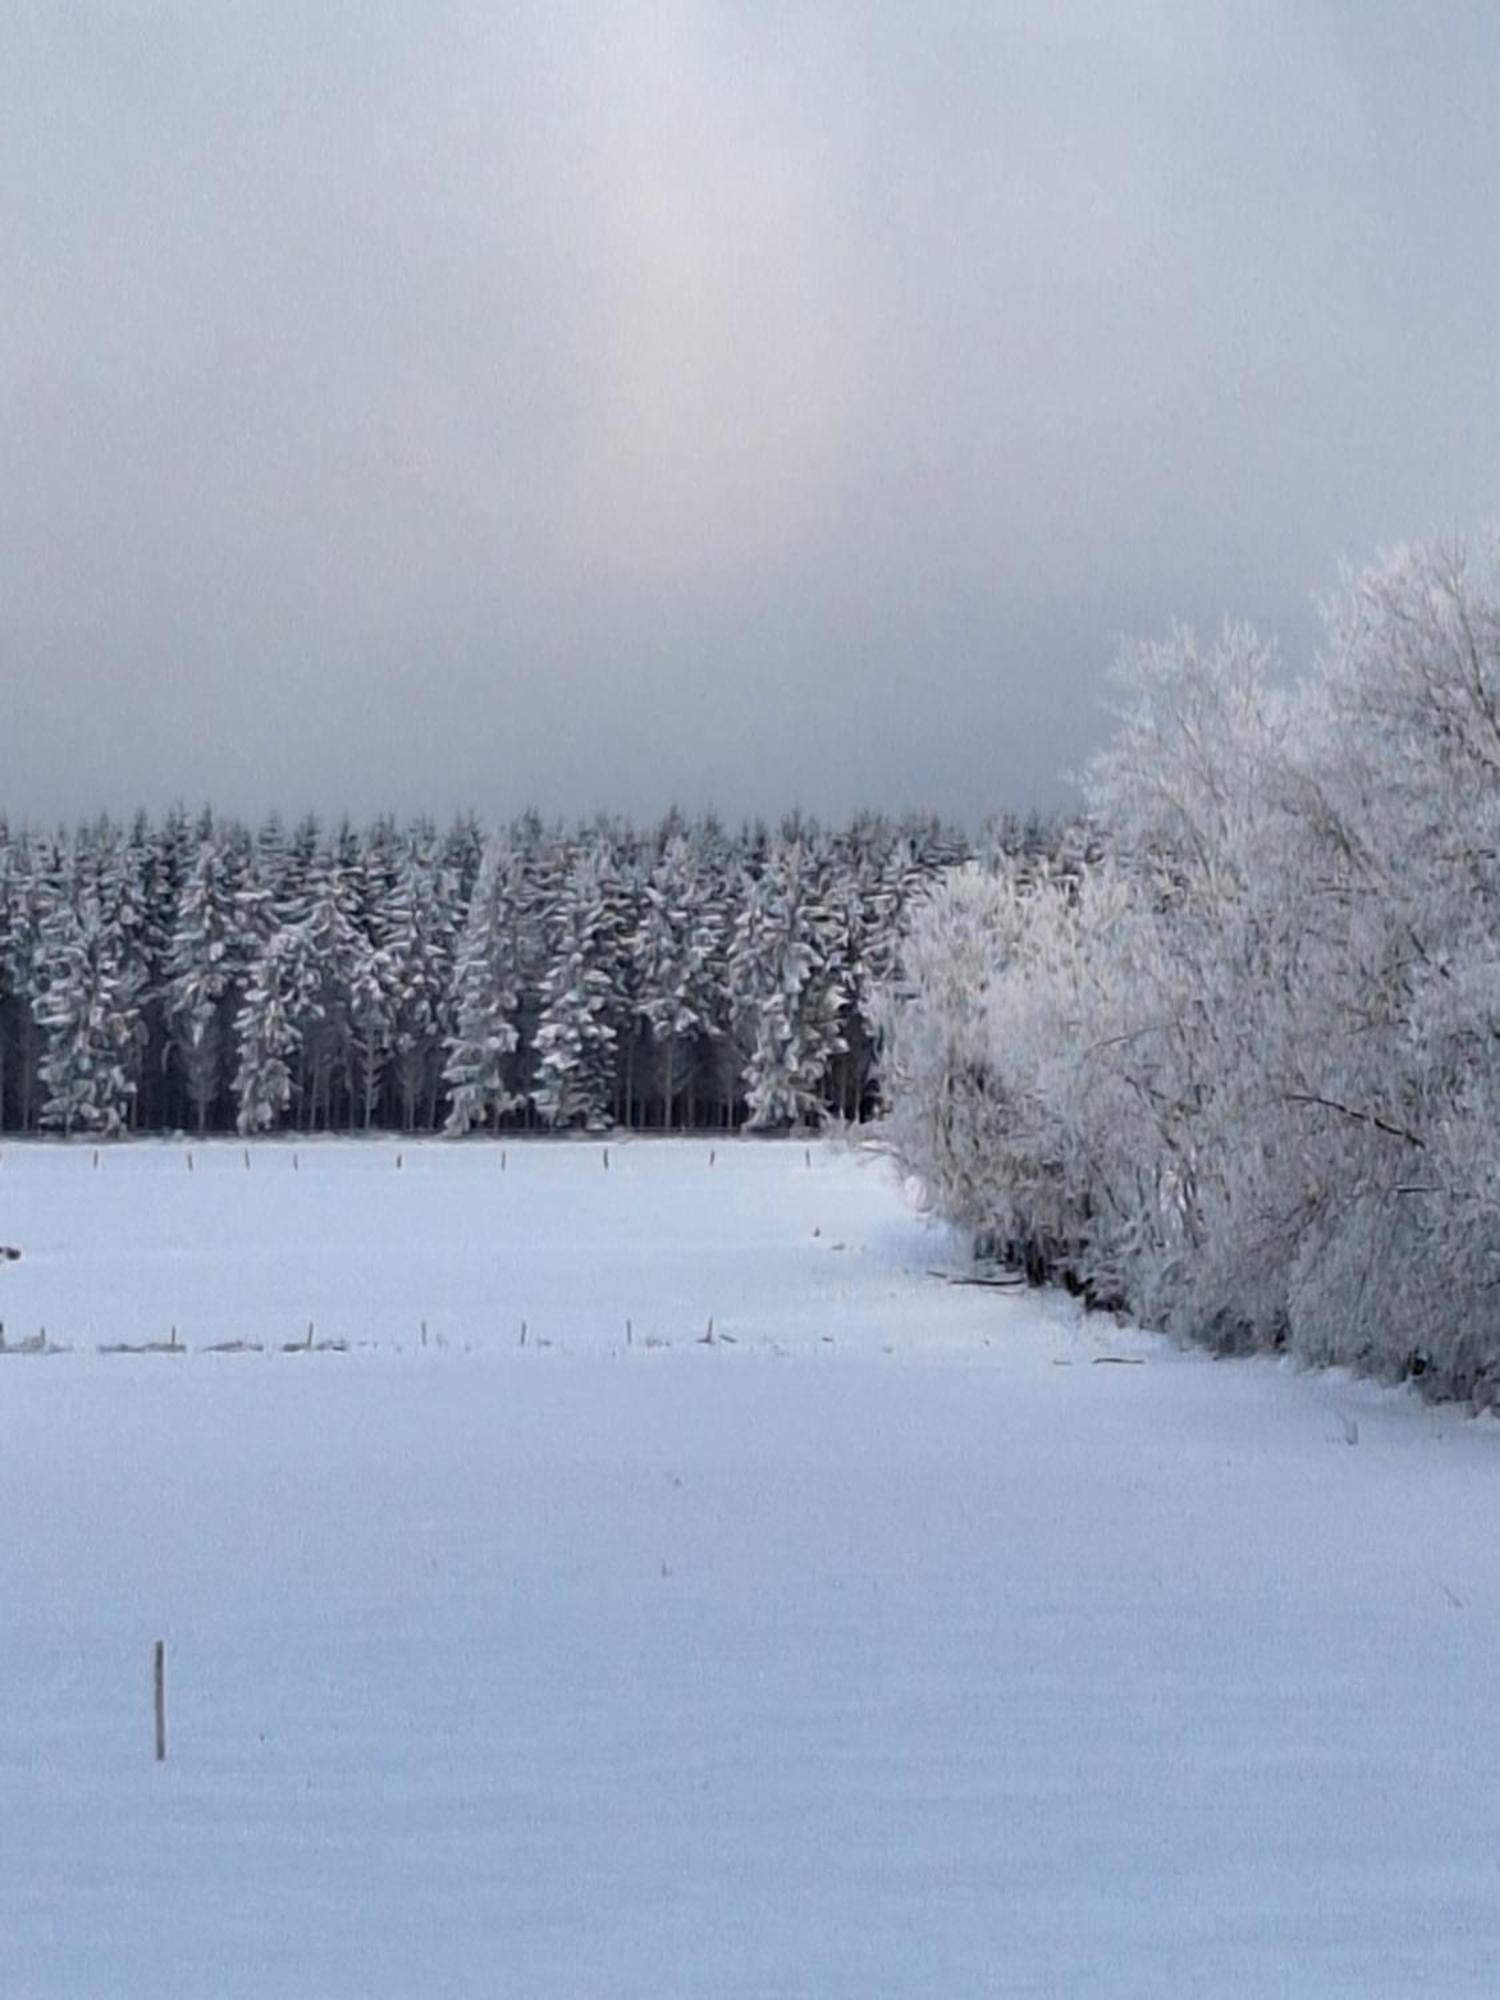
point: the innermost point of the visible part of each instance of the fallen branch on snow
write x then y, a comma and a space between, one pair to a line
1015, 1282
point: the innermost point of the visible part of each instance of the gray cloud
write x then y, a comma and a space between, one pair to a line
736, 403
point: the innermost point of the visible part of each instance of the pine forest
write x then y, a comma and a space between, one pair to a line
193, 974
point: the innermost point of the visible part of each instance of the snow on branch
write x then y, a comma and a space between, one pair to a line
1088, 1064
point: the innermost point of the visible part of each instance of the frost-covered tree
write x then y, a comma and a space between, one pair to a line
1236, 1069
344, 1006
576, 1036
268, 1035
676, 950
202, 973
26, 886
419, 942
87, 1013
786, 993
489, 968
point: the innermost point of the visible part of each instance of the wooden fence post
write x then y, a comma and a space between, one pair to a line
159, 1677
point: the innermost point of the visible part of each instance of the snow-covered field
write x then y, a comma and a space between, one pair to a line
897, 1640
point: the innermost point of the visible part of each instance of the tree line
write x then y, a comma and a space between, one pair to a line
1233, 1061
191, 973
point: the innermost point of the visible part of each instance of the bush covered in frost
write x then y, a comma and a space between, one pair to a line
1237, 1067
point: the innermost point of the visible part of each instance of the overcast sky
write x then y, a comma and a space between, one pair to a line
446, 404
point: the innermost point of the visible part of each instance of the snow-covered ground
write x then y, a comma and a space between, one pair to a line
897, 1641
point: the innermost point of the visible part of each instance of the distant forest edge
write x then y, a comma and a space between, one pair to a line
193, 974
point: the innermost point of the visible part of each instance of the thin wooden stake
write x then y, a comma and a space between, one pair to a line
606, 1159
627, 1333
247, 1159
309, 1333
398, 1163
711, 1156
523, 1333
159, 1684
502, 1159
807, 1155
96, 1156
190, 1160
296, 1164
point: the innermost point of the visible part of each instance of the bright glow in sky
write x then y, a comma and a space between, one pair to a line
495, 402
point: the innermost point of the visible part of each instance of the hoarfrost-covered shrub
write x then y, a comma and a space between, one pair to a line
947, 1114
1240, 1070
994, 1103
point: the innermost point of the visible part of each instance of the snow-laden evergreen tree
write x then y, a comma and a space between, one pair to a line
372, 1002
369, 870
850, 895
36, 884
88, 1015
113, 867
722, 880
419, 942
461, 854
202, 973
268, 1033
575, 1041
23, 908
675, 948
488, 971
345, 1015
625, 862
160, 855
788, 1000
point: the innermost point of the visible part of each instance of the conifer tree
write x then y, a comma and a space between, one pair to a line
268, 1035
576, 1038
487, 974
788, 1001
89, 1020
675, 947
202, 971
417, 937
